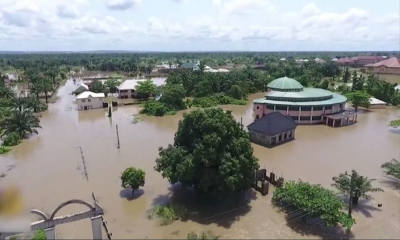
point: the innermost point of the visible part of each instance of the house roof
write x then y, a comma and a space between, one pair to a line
285, 83
189, 65
375, 101
88, 94
82, 85
129, 84
393, 62
272, 123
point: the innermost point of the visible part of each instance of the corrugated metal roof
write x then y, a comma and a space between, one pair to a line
87, 94
285, 83
393, 62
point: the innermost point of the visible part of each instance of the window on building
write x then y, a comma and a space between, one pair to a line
305, 108
83, 100
317, 108
258, 107
305, 118
257, 117
270, 107
280, 108
292, 108
89, 100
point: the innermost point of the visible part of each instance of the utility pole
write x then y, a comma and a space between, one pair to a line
117, 136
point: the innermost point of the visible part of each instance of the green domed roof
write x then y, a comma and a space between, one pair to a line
285, 84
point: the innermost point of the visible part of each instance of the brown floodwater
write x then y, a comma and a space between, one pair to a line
48, 168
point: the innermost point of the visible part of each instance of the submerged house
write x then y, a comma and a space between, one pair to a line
272, 129
90, 100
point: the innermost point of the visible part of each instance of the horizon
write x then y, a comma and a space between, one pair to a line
199, 26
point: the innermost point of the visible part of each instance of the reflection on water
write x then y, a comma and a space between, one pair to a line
49, 171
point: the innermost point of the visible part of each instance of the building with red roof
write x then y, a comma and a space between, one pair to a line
360, 60
388, 66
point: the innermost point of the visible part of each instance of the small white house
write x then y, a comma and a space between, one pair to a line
375, 103
90, 100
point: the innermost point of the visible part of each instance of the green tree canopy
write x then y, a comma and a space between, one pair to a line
204, 235
360, 186
145, 89
313, 201
133, 178
358, 98
346, 75
111, 85
236, 92
211, 153
97, 87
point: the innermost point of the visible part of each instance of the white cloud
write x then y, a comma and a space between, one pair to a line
122, 5
233, 21
67, 11
242, 7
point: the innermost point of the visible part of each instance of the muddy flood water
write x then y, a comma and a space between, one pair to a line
48, 168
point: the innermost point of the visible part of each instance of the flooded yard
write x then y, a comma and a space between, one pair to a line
48, 168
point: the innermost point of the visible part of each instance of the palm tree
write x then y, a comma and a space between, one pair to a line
359, 185
392, 168
6, 92
20, 122
35, 104
19, 103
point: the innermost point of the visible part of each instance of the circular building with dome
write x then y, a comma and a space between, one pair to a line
304, 105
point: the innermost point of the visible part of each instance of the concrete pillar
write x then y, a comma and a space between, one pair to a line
327, 121
299, 113
334, 120
312, 108
96, 227
356, 118
287, 110
50, 233
274, 108
341, 122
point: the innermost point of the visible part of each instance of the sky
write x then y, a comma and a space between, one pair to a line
200, 25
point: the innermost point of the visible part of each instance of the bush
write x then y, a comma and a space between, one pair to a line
216, 100
40, 235
154, 108
204, 235
12, 139
4, 150
168, 214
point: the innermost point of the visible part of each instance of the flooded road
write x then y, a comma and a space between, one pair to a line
48, 168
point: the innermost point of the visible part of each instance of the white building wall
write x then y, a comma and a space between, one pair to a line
89, 103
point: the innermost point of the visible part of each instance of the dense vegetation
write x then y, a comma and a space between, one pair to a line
211, 154
204, 235
130, 61
313, 201
18, 112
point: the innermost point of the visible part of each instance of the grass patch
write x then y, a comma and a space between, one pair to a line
216, 100
167, 214
4, 150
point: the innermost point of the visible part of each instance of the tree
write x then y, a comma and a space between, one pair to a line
133, 178
324, 84
35, 104
111, 85
346, 75
236, 92
172, 96
145, 89
40, 234
313, 201
20, 122
394, 123
343, 89
392, 168
358, 98
211, 154
355, 186
97, 87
